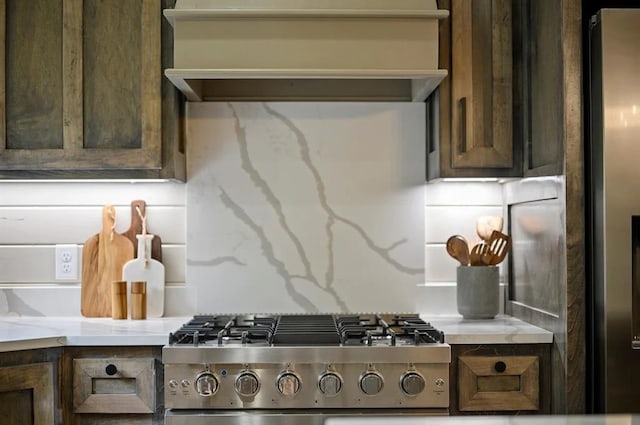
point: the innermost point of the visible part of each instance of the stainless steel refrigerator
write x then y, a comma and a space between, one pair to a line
613, 209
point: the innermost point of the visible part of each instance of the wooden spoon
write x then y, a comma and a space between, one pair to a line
457, 248
486, 224
499, 245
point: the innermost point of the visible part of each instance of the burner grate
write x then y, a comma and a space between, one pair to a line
306, 330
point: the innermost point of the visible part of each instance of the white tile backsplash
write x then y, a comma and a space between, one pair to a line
452, 209
463, 193
34, 216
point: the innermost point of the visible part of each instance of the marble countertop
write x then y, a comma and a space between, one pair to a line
501, 330
21, 333
492, 420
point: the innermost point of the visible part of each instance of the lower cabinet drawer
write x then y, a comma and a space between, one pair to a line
114, 385
498, 383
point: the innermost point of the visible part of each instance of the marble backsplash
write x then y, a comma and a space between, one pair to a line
305, 207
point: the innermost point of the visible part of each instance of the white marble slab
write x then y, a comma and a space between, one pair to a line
491, 420
305, 207
501, 330
21, 333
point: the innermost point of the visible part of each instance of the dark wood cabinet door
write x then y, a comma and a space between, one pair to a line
481, 84
538, 85
474, 136
27, 394
82, 89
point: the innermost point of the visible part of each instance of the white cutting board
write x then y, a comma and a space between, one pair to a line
149, 270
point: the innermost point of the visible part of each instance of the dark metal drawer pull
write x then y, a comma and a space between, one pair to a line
500, 366
111, 369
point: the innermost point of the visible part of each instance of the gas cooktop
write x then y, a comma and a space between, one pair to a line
307, 330
286, 362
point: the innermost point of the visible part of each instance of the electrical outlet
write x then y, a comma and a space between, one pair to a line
66, 262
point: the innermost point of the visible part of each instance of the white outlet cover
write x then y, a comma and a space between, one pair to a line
66, 262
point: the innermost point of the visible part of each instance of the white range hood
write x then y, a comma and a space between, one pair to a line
351, 50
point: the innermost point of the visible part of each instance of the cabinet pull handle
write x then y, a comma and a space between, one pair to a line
462, 105
500, 366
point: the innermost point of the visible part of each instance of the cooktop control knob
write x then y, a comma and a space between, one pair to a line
206, 384
247, 384
412, 383
288, 383
371, 383
330, 383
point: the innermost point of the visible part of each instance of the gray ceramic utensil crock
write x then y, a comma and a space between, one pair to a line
478, 292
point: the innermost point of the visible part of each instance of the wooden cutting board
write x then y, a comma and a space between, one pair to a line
103, 257
136, 229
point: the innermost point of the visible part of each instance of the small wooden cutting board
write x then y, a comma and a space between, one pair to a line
136, 229
103, 257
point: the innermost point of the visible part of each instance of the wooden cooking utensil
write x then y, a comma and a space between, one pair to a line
136, 229
486, 224
457, 248
499, 245
478, 250
103, 256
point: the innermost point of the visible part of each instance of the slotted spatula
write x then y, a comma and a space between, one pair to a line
478, 250
499, 245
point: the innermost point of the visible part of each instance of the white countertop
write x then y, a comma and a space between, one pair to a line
491, 420
501, 330
21, 333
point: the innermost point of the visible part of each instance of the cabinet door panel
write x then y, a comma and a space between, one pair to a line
16, 407
545, 91
111, 74
111, 89
471, 133
30, 387
480, 84
33, 67
538, 85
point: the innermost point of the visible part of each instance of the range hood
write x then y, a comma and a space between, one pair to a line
351, 50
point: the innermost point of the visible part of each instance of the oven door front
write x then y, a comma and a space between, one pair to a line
283, 417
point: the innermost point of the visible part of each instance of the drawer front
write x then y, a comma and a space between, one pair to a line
114, 385
498, 383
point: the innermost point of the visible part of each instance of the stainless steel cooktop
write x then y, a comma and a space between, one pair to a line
341, 361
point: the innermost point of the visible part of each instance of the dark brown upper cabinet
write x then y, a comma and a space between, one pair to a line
538, 85
82, 93
470, 118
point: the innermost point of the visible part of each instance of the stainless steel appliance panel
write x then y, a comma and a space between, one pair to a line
202, 354
301, 369
615, 173
435, 392
291, 417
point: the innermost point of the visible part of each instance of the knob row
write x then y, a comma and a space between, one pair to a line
288, 383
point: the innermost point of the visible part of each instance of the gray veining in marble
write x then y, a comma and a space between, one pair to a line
305, 207
12, 304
